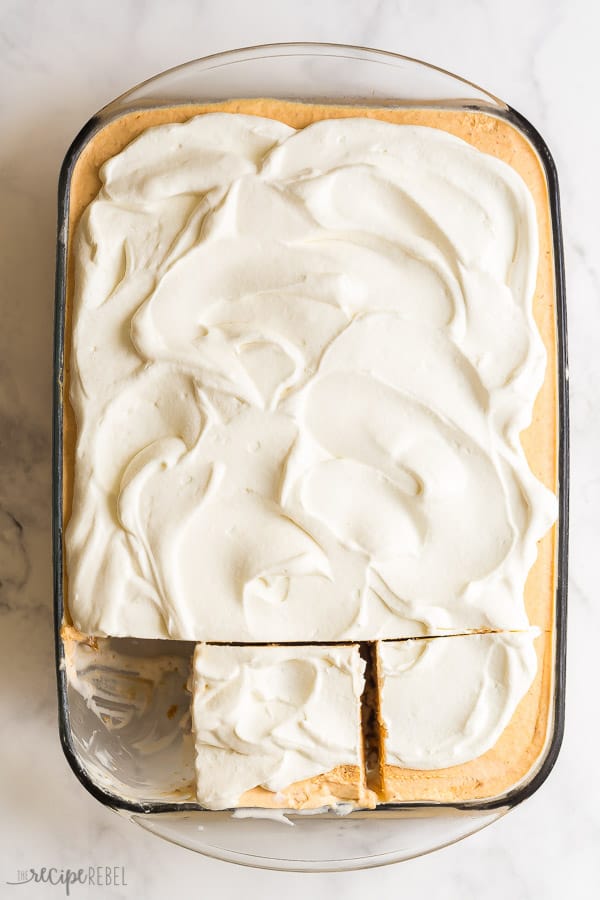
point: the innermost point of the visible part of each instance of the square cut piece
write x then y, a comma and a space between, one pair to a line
459, 717
278, 726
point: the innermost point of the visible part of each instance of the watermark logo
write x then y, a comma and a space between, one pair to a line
92, 876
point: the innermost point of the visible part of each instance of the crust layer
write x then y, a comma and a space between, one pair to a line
344, 784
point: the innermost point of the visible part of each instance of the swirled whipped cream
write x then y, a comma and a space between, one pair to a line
273, 716
446, 700
301, 363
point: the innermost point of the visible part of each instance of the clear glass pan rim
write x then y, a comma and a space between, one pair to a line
301, 48
486, 103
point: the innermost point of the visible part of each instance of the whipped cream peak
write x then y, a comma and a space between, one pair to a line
301, 362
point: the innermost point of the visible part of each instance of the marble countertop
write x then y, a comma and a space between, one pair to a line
61, 61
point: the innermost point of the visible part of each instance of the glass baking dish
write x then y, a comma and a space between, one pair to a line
122, 707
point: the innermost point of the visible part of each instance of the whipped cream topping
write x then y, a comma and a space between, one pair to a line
446, 700
273, 716
301, 363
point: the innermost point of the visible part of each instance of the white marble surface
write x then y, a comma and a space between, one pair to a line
60, 61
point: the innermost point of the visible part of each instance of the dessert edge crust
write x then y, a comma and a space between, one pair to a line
341, 785
523, 741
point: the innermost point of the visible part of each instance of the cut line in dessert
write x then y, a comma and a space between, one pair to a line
126, 692
70, 633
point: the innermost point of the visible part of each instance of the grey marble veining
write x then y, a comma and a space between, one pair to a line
61, 61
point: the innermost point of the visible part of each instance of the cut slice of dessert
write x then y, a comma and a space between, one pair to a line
460, 717
278, 726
